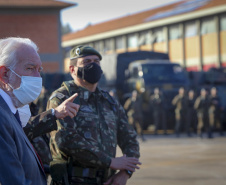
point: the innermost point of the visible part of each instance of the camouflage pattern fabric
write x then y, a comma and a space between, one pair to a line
91, 137
37, 127
214, 111
180, 113
158, 112
201, 106
40, 124
42, 148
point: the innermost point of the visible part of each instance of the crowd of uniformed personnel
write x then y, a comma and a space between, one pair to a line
195, 112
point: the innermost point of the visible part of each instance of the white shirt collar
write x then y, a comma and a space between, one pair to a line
8, 100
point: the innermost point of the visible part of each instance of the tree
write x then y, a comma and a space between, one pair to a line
65, 29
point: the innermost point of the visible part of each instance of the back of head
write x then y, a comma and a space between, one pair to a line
9, 47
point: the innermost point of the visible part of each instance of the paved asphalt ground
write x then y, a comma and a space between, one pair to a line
167, 160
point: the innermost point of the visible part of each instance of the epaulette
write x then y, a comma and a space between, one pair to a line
68, 85
57, 95
71, 88
108, 97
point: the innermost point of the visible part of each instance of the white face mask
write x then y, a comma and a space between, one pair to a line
29, 90
25, 114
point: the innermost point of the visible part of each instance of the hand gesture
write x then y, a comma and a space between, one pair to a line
67, 108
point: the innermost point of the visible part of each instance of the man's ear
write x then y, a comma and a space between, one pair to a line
4, 74
72, 69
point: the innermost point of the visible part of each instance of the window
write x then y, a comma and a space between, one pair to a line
174, 32
223, 22
89, 44
208, 26
132, 41
97, 46
120, 43
108, 44
135, 72
159, 35
191, 29
145, 38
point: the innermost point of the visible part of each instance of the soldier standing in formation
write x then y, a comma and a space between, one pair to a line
156, 102
201, 106
214, 112
191, 117
179, 101
87, 143
133, 107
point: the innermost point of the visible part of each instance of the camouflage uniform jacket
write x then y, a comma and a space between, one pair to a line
201, 104
91, 137
180, 103
37, 127
40, 124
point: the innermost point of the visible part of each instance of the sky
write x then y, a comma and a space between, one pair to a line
97, 11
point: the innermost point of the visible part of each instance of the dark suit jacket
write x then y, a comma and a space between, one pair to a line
18, 161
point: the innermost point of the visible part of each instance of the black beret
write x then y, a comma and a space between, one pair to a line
82, 51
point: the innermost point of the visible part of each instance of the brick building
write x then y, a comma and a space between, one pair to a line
193, 32
38, 20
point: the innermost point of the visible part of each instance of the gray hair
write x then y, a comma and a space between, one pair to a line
8, 50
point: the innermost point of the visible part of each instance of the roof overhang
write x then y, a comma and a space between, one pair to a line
148, 25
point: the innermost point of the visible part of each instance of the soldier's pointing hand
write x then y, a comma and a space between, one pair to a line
67, 108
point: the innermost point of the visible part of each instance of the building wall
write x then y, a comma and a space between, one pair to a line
192, 53
210, 51
196, 44
42, 27
176, 51
223, 47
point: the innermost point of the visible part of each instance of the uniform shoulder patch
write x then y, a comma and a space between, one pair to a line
57, 95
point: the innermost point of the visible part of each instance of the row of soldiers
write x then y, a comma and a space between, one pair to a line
198, 114
206, 109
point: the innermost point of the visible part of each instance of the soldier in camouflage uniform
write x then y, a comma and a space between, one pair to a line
87, 143
215, 110
157, 107
201, 106
191, 115
180, 102
133, 107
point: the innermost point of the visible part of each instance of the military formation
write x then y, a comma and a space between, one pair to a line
195, 113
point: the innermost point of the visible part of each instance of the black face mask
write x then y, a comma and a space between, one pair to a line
90, 73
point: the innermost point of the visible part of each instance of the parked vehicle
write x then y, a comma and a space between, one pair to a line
143, 71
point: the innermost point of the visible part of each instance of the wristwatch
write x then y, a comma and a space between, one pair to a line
129, 173
53, 112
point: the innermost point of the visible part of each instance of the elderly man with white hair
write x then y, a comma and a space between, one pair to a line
21, 84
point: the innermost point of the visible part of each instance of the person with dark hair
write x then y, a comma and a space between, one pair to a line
157, 107
201, 106
191, 115
215, 110
133, 107
179, 101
